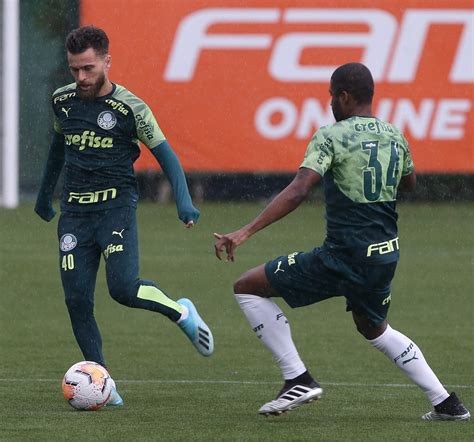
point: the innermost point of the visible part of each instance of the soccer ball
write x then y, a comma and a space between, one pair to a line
87, 386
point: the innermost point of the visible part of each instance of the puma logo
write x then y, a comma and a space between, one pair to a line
118, 233
278, 268
66, 111
411, 359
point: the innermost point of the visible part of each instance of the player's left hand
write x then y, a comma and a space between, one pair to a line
189, 216
44, 209
229, 243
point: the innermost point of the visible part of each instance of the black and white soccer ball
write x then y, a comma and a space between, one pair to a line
87, 386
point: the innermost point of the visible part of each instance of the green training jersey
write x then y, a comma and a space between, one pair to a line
361, 160
101, 139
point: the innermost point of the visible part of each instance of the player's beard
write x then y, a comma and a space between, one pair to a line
94, 89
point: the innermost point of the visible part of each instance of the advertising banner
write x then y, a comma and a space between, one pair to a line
241, 86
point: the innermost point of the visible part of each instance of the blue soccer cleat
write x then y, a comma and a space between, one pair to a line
196, 329
115, 400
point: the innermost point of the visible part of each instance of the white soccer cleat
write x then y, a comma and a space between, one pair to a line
292, 398
196, 329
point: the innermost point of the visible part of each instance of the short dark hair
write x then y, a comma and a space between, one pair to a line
81, 39
356, 79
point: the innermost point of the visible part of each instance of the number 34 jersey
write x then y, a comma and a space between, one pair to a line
361, 160
101, 139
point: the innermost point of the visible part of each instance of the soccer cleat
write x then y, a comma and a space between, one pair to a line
290, 397
451, 409
115, 400
196, 329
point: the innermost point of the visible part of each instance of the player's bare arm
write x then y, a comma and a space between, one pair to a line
408, 183
284, 203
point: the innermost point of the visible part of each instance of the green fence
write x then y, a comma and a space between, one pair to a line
43, 67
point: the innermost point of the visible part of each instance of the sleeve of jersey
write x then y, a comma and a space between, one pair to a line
57, 125
148, 131
319, 153
54, 163
408, 165
171, 166
52, 170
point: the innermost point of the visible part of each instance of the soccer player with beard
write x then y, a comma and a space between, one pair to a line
362, 161
97, 127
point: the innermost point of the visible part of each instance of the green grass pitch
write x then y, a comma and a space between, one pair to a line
172, 393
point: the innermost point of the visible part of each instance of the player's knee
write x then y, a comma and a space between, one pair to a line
124, 293
368, 330
242, 285
361, 329
253, 282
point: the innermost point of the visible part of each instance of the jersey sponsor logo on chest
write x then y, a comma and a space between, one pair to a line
88, 139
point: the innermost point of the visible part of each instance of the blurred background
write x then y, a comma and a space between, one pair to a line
239, 87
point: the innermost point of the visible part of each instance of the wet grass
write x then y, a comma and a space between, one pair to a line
171, 393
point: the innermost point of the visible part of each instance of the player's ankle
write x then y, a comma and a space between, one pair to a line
184, 314
304, 378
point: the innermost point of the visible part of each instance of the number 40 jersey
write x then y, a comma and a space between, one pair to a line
361, 160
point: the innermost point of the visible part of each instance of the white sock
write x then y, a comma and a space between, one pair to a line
272, 327
406, 355
184, 315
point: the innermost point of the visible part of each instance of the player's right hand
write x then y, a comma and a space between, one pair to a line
45, 211
229, 243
